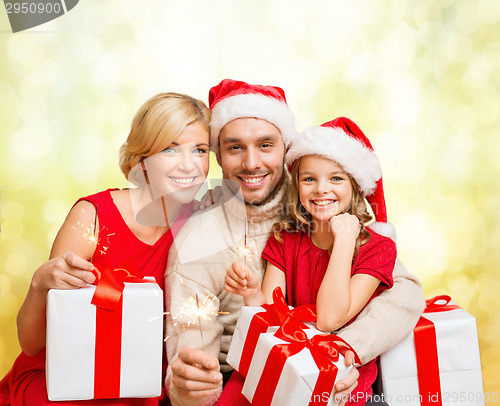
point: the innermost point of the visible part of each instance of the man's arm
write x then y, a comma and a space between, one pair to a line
193, 376
388, 318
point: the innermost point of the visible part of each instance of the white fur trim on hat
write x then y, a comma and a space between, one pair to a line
385, 229
252, 105
355, 158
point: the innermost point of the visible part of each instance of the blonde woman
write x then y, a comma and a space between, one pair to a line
166, 156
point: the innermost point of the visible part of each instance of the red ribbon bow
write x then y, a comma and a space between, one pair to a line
108, 299
110, 284
435, 304
273, 315
325, 350
429, 382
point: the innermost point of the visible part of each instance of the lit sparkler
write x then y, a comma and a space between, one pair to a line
91, 234
193, 311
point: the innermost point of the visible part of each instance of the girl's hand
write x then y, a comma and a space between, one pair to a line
241, 281
66, 271
345, 225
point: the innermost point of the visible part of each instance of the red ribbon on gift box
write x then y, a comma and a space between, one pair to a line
429, 382
273, 315
108, 299
325, 350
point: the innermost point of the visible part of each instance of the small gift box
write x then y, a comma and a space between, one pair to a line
254, 321
438, 363
295, 366
105, 341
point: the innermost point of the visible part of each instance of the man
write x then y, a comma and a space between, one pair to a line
251, 128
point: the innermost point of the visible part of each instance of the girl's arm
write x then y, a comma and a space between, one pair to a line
273, 278
67, 268
341, 297
244, 282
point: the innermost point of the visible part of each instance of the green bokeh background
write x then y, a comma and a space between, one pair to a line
421, 78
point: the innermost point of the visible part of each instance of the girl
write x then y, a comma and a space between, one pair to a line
166, 156
323, 253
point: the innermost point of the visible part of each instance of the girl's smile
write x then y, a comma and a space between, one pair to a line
325, 190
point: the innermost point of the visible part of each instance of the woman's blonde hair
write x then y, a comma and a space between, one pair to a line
157, 124
299, 219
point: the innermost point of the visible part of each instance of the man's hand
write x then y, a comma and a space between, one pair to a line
196, 374
344, 387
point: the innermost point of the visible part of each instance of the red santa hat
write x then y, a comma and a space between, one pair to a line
342, 141
232, 99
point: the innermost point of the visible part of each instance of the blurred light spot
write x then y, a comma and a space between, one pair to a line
425, 12
54, 211
425, 249
456, 160
115, 110
85, 157
5, 284
488, 11
105, 76
432, 35
16, 264
96, 19
46, 72
402, 100
31, 140
120, 11
12, 230
12, 210
51, 234
466, 19
457, 47
25, 51
87, 47
10, 304
486, 107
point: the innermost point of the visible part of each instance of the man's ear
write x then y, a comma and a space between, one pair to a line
217, 156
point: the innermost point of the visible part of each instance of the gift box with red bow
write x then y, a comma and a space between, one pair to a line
254, 321
438, 363
105, 341
296, 366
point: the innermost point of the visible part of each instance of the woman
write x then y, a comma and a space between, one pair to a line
166, 156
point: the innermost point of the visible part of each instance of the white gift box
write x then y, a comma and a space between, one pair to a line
71, 330
458, 360
298, 377
240, 334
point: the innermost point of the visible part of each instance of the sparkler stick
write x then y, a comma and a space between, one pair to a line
93, 231
199, 322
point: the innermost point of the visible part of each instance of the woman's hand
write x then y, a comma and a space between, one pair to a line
66, 271
345, 225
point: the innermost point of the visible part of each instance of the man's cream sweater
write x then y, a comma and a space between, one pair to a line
212, 240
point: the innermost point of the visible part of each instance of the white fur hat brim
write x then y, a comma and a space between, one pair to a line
355, 158
252, 105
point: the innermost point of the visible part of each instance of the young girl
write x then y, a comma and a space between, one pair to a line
323, 253
167, 157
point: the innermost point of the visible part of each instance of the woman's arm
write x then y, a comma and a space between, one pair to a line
67, 268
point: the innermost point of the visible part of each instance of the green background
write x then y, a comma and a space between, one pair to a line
421, 78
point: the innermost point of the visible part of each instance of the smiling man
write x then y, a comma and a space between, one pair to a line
251, 128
